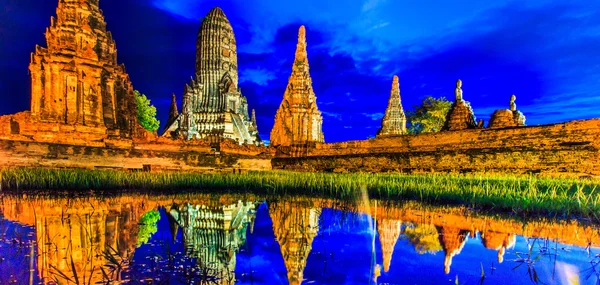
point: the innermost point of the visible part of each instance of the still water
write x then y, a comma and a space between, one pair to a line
229, 239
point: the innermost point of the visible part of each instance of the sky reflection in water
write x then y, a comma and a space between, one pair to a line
245, 240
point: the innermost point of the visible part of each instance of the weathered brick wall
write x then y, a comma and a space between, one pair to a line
160, 157
568, 149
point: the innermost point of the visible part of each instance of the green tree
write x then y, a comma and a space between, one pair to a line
147, 226
424, 237
429, 116
146, 112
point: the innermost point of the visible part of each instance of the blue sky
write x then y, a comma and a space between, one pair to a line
545, 52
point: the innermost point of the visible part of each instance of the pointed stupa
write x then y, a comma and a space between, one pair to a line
389, 232
173, 112
394, 121
254, 119
295, 226
298, 120
452, 239
172, 217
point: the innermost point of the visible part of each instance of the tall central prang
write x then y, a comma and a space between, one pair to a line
213, 106
298, 121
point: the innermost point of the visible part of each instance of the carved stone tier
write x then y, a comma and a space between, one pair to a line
394, 121
213, 105
298, 120
76, 80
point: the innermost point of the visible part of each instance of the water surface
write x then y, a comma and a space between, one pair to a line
246, 239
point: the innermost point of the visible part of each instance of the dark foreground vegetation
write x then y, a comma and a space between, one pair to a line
520, 195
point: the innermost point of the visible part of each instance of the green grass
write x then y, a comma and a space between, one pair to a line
523, 195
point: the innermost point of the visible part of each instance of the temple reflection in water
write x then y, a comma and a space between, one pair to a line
73, 236
295, 224
213, 234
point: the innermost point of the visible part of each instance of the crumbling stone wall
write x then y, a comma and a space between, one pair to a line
567, 149
147, 156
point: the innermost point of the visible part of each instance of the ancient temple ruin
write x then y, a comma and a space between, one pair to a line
213, 105
498, 241
76, 80
394, 120
452, 239
389, 231
295, 226
87, 229
298, 120
460, 116
507, 117
213, 234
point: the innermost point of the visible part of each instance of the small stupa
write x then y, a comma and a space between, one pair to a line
394, 121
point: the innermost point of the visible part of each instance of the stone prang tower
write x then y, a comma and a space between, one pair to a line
298, 120
76, 80
213, 105
394, 121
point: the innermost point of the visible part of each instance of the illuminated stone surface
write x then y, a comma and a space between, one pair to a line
298, 120
76, 80
213, 105
394, 121
295, 225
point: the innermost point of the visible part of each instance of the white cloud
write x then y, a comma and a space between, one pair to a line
259, 76
374, 116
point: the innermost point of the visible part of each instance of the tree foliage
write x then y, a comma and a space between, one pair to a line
148, 227
424, 237
429, 116
146, 113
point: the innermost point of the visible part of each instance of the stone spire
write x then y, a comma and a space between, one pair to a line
295, 226
216, 60
213, 106
460, 116
298, 120
394, 121
452, 239
173, 112
76, 80
498, 241
254, 118
389, 231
